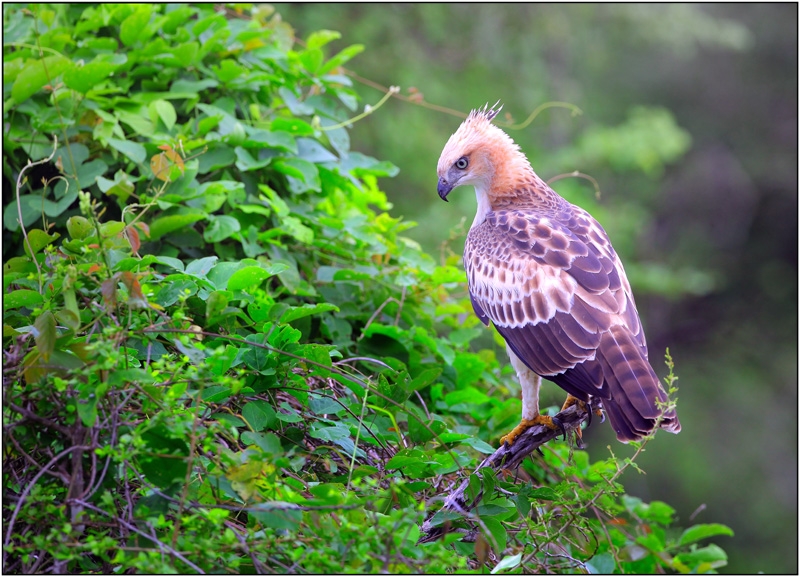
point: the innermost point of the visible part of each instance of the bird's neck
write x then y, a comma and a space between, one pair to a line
514, 184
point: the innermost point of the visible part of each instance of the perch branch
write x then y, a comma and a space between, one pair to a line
506, 457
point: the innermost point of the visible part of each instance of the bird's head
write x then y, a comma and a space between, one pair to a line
478, 153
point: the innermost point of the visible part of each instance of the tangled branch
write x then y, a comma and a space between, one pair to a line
506, 457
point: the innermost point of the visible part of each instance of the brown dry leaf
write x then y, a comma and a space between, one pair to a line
144, 227
109, 291
136, 300
481, 549
133, 238
161, 166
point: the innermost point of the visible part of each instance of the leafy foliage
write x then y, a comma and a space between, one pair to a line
222, 354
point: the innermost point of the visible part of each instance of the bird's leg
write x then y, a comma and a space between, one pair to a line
529, 382
567, 404
591, 408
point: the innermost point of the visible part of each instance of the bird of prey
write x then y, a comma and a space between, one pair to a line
544, 273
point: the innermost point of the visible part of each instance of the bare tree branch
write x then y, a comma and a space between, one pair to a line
506, 457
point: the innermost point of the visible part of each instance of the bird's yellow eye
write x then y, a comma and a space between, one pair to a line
462, 163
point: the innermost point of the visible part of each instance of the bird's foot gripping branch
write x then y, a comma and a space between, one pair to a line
507, 457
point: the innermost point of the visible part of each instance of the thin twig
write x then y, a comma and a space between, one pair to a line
19, 205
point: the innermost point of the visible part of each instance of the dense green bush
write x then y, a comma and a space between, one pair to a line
221, 354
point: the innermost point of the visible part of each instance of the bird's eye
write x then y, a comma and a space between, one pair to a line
462, 163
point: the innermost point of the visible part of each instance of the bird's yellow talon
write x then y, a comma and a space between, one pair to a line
571, 401
526, 424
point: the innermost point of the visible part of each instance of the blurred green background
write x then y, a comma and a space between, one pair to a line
689, 127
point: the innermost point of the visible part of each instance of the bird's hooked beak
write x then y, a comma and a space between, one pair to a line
444, 188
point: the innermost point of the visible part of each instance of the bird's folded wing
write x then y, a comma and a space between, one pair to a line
551, 289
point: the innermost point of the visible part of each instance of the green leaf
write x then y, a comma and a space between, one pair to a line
220, 227
164, 110
160, 465
656, 511
168, 224
260, 138
45, 335
307, 309
329, 433
215, 304
134, 28
90, 171
216, 393
228, 70
320, 38
507, 562
121, 186
698, 532
294, 227
21, 298
11, 69
38, 239
86, 405
267, 442
313, 152
324, 406
311, 59
245, 161
251, 276
259, 415
711, 554
219, 155
301, 174
543, 494
601, 564
410, 462
479, 445
137, 122
294, 126
652, 542
36, 74
342, 57
83, 78
174, 287
181, 56
497, 533
283, 519
133, 150
425, 378
193, 86
202, 267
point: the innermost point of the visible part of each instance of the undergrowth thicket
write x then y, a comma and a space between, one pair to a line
221, 354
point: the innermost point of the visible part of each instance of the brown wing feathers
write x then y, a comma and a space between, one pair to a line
553, 288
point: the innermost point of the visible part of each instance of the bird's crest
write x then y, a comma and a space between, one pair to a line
476, 129
485, 113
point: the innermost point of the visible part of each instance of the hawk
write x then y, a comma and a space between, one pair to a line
543, 271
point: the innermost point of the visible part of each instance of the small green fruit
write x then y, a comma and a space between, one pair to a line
79, 227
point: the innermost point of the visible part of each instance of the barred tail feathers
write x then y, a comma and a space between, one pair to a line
633, 388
